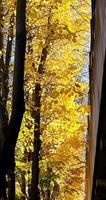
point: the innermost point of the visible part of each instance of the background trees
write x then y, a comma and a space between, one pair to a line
55, 97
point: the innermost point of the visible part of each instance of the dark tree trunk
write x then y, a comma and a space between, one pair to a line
35, 160
35, 193
1, 45
18, 106
4, 69
55, 192
7, 161
49, 173
43, 192
2, 177
5, 85
23, 179
5, 90
29, 157
23, 186
37, 142
29, 188
11, 185
1, 71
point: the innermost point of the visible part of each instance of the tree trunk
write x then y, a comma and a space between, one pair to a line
1, 45
49, 173
1, 72
8, 147
5, 86
23, 186
37, 142
2, 177
55, 192
35, 193
23, 179
5, 90
18, 106
29, 157
35, 160
11, 184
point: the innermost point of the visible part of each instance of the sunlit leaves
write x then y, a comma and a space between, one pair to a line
63, 28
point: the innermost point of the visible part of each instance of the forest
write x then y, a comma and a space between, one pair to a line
44, 49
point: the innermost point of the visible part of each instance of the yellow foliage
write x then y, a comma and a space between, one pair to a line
62, 27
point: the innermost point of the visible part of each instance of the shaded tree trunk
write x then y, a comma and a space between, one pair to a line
4, 69
49, 172
55, 192
1, 71
7, 160
23, 186
2, 176
11, 184
35, 192
37, 142
29, 157
5, 84
23, 179
5, 90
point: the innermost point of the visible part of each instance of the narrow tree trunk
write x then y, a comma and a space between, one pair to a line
23, 179
5, 90
37, 142
49, 171
2, 176
4, 69
29, 187
23, 186
55, 192
29, 157
1, 70
5, 86
35, 163
43, 193
35, 192
1, 45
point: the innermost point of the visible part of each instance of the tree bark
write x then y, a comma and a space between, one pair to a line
55, 192
5, 90
29, 157
2, 177
23, 186
18, 105
1, 71
35, 192
37, 142
7, 160
11, 184
5, 85
23, 179
49, 172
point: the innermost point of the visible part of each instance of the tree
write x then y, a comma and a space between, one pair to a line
58, 111
10, 133
57, 37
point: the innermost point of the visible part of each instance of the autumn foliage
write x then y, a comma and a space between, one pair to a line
54, 125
